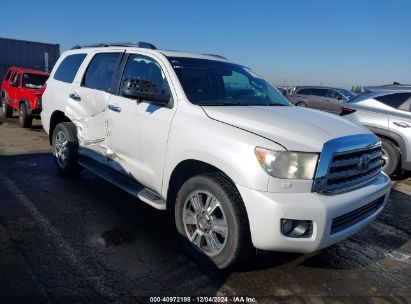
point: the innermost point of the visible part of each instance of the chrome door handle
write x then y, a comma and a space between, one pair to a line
114, 108
401, 124
75, 96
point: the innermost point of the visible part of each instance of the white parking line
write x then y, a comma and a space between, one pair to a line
71, 256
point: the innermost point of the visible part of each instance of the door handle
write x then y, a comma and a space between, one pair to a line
114, 108
75, 96
401, 124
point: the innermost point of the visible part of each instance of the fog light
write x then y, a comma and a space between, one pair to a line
296, 228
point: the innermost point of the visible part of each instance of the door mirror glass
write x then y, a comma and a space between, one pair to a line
142, 89
14, 84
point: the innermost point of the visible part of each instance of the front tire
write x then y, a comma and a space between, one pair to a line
302, 104
65, 148
391, 157
7, 111
212, 221
25, 119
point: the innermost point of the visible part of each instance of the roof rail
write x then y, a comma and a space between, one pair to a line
215, 55
144, 45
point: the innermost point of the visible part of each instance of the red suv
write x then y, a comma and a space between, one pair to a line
21, 90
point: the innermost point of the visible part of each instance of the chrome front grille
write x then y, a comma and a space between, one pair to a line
353, 169
347, 163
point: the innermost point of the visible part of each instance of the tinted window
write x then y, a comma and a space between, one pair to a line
99, 74
304, 92
319, 92
142, 67
68, 68
399, 101
334, 94
34, 81
17, 79
8, 75
13, 74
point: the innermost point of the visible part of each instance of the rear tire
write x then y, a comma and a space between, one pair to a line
302, 104
65, 149
391, 156
25, 119
7, 111
216, 235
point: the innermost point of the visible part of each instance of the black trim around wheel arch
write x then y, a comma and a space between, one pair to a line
405, 164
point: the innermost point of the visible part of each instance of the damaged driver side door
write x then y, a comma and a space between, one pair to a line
88, 100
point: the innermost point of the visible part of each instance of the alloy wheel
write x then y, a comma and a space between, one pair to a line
61, 149
384, 159
205, 222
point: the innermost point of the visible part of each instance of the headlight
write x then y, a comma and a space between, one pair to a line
287, 164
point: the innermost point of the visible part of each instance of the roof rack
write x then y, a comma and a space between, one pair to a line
215, 55
144, 45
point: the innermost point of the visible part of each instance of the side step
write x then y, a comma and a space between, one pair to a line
127, 184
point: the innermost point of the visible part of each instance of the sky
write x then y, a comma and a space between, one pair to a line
294, 42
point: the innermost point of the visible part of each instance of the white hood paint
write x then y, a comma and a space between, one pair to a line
295, 128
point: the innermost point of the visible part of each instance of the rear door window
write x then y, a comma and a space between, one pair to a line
13, 74
304, 92
68, 68
17, 79
319, 92
99, 74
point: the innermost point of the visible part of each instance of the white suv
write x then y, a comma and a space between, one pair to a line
215, 144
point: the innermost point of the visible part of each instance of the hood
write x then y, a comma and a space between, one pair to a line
295, 128
35, 92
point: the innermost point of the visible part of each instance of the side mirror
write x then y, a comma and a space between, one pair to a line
142, 89
14, 84
339, 97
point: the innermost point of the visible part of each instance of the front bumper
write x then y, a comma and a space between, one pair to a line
266, 209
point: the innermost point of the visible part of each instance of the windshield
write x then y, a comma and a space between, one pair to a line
216, 83
347, 93
34, 81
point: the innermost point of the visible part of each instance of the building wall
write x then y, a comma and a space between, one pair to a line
28, 54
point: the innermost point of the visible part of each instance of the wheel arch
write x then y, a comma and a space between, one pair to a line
56, 118
185, 170
394, 138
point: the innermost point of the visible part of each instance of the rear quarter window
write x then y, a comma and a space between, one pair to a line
68, 68
400, 101
8, 75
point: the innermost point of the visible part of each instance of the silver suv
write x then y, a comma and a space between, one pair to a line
321, 98
387, 114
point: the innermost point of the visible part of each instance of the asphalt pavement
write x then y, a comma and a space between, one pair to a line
83, 240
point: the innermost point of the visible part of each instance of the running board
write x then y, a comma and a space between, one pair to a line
127, 184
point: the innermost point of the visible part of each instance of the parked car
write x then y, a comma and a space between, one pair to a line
321, 98
215, 144
21, 90
387, 114
388, 87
